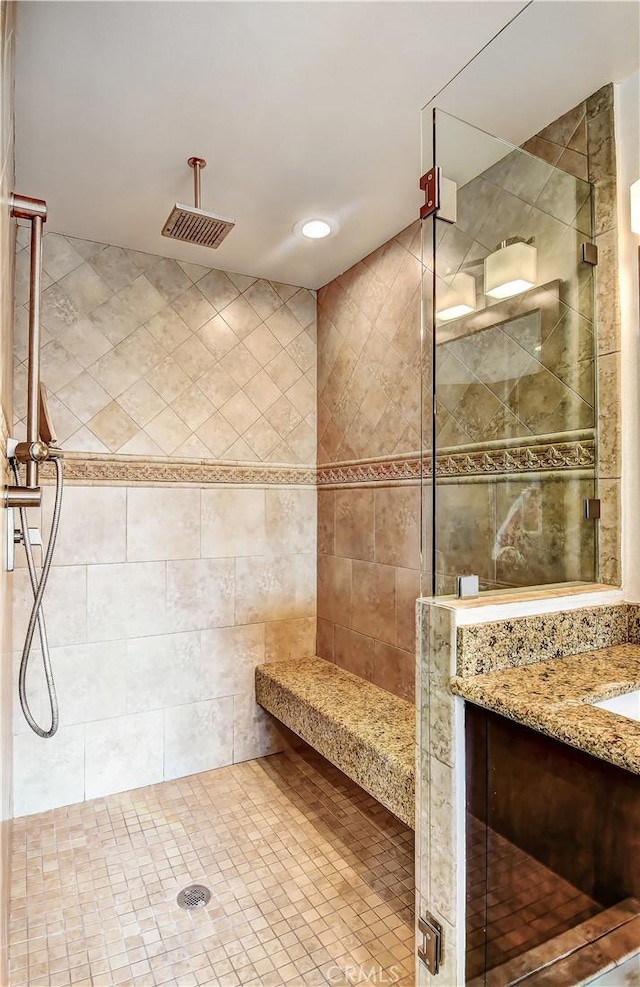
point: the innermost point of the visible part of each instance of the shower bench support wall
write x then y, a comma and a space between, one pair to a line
366, 732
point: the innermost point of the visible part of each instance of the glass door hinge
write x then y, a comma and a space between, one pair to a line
430, 185
430, 952
440, 196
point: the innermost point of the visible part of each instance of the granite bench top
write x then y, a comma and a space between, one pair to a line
366, 732
554, 698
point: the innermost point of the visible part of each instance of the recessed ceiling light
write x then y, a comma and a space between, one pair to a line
314, 229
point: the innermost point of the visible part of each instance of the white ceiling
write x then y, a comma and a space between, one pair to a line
302, 109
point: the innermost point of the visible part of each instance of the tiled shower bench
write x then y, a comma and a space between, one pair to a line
366, 732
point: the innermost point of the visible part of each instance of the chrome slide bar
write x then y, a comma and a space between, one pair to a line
34, 450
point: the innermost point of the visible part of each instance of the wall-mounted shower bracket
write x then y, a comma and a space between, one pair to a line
31, 452
26, 207
19, 496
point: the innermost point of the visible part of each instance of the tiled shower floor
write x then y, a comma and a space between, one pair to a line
311, 880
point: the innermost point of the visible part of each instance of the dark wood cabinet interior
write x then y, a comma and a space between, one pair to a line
553, 838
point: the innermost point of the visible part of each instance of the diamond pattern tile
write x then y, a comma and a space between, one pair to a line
369, 338
141, 352
516, 381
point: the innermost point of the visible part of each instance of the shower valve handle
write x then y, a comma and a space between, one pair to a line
35, 538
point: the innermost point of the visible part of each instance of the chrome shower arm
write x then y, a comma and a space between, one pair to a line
197, 164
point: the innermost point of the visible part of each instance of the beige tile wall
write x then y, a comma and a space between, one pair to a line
557, 366
7, 254
161, 603
582, 142
162, 600
440, 790
517, 380
369, 396
369, 406
368, 582
552, 543
147, 356
369, 355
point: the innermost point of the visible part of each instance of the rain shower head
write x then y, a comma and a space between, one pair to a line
191, 223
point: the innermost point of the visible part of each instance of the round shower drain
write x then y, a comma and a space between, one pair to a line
194, 896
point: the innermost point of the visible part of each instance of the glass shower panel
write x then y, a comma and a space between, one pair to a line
508, 460
428, 232
514, 368
423, 684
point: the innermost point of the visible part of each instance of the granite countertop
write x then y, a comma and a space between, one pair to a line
366, 732
553, 697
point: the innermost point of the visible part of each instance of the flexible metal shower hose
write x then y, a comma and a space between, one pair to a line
37, 616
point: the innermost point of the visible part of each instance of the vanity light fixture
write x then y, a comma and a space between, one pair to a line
635, 207
457, 297
511, 269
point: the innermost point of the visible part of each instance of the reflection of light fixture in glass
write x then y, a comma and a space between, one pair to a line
458, 297
510, 269
635, 207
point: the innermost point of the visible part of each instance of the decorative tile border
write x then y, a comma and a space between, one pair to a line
541, 637
365, 471
564, 455
100, 468
526, 458
114, 469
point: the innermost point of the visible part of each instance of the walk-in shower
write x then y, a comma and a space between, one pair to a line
40, 446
